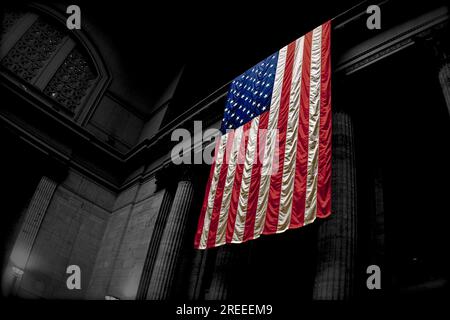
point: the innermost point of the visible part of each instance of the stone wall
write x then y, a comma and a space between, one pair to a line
133, 250
122, 255
70, 234
113, 123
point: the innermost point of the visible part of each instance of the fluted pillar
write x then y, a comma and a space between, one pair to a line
154, 244
220, 283
444, 79
229, 268
27, 235
337, 234
32, 222
171, 242
197, 274
436, 42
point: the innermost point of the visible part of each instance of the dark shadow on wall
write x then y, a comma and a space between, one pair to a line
402, 134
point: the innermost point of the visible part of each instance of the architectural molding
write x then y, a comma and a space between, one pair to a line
104, 77
125, 105
390, 41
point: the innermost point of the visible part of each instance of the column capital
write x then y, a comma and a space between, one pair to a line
169, 175
437, 41
163, 178
185, 172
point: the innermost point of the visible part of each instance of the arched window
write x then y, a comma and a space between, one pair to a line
37, 48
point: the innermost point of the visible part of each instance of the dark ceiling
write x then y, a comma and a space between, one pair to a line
214, 41
227, 34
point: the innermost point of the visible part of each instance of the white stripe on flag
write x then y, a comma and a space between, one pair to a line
266, 169
228, 189
246, 178
212, 193
287, 185
314, 115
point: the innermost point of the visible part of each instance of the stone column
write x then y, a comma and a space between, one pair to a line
29, 229
444, 79
197, 274
220, 283
337, 234
32, 222
154, 244
171, 242
228, 274
436, 43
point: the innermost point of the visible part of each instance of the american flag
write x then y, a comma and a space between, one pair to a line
272, 163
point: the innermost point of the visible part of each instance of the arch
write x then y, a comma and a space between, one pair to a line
62, 68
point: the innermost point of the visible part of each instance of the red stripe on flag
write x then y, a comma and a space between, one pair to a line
324, 170
219, 193
273, 207
201, 220
256, 177
237, 183
298, 204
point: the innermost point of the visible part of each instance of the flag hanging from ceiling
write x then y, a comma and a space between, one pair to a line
272, 164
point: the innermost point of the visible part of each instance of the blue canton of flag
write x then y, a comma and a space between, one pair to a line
250, 94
